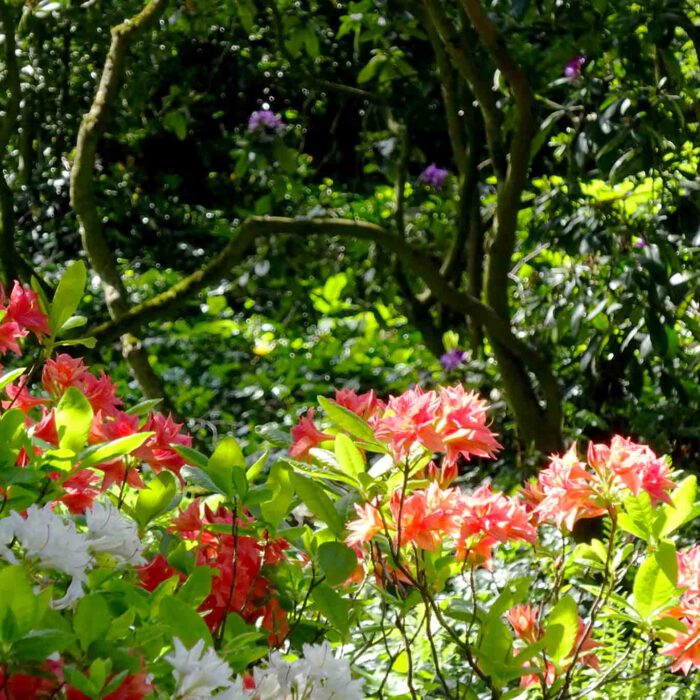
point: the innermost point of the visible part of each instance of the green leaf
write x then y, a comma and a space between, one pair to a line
39, 644
226, 468
347, 420
73, 420
514, 592
254, 470
191, 456
10, 376
275, 510
158, 497
494, 650
12, 433
197, 586
68, 295
332, 607
17, 599
681, 511
143, 407
317, 501
639, 516
107, 451
337, 561
183, 621
198, 477
371, 69
655, 584
98, 672
349, 458
561, 629
80, 682
73, 322
88, 342
91, 620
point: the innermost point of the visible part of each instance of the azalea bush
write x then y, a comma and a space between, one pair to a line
352, 559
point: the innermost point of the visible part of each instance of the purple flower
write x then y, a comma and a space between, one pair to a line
433, 176
265, 122
453, 359
573, 68
640, 243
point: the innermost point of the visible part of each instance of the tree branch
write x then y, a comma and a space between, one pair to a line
449, 93
82, 192
460, 49
417, 261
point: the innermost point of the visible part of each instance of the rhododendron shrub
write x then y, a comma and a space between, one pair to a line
354, 559
479, 593
127, 557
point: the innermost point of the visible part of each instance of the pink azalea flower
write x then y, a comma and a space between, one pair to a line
306, 436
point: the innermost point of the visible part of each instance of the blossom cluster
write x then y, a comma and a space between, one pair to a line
54, 542
316, 675
238, 559
20, 314
568, 489
79, 526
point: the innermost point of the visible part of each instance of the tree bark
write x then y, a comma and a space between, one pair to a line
83, 198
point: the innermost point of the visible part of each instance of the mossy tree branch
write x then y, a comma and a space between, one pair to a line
82, 191
418, 262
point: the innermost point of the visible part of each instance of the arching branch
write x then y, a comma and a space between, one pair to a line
418, 262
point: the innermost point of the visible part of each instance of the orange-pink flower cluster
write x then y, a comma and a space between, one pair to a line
450, 421
569, 489
426, 518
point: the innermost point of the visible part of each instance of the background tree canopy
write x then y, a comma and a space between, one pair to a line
280, 197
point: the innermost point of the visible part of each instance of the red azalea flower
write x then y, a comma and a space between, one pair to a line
305, 436
157, 450
61, 372
45, 429
684, 650
367, 524
10, 333
462, 424
155, 572
24, 309
569, 491
427, 516
80, 490
363, 405
100, 392
523, 620
21, 398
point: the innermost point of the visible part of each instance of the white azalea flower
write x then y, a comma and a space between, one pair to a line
317, 675
53, 543
110, 532
237, 692
198, 673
